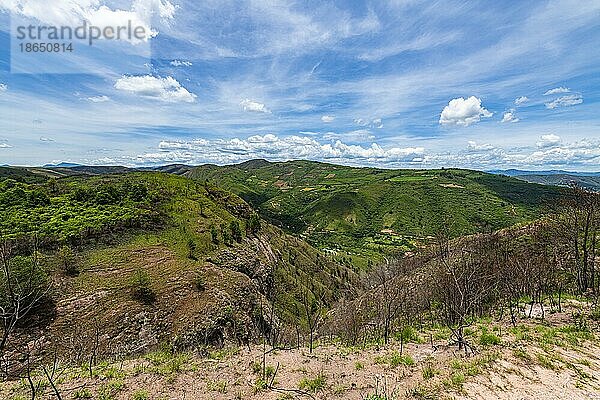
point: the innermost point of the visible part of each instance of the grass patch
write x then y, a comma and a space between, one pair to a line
313, 385
224, 353
166, 362
395, 359
141, 394
83, 394
489, 339
546, 361
110, 390
218, 386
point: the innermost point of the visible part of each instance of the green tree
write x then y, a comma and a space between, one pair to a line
236, 232
214, 234
138, 192
225, 234
66, 259
191, 245
253, 224
23, 285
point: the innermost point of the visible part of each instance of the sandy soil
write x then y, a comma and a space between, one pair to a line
548, 364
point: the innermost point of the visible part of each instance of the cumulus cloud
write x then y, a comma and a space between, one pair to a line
274, 147
5, 146
73, 12
463, 112
585, 152
98, 99
163, 89
550, 151
3, 87
509, 116
375, 123
181, 63
565, 101
474, 146
557, 90
521, 100
254, 106
46, 139
550, 140
328, 118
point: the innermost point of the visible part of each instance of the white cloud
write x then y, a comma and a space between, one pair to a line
328, 118
550, 140
5, 146
163, 89
376, 123
98, 99
273, 147
463, 112
181, 63
94, 12
310, 133
474, 146
423, 42
565, 101
46, 139
3, 86
585, 152
360, 135
557, 90
254, 106
509, 116
521, 100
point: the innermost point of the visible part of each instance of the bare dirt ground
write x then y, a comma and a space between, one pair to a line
537, 360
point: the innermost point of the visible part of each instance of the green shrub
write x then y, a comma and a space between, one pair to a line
429, 372
214, 234
488, 339
313, 385
395, 359
142, 286
236, 232
253, 224
66, 259
408, 334
83, 394
141, 394
191, 247
217, 386
109, 390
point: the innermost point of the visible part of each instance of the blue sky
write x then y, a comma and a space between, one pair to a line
396, 83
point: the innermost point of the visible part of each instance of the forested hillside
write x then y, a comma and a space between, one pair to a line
367, 212
118, 264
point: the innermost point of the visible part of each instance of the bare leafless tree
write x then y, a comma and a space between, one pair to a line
23, 284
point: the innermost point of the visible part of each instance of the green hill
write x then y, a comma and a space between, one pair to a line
146, 258
362, 213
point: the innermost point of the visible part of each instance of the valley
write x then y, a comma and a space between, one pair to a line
293, 280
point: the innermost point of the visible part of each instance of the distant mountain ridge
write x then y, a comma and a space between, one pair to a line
61, 165
519, 172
